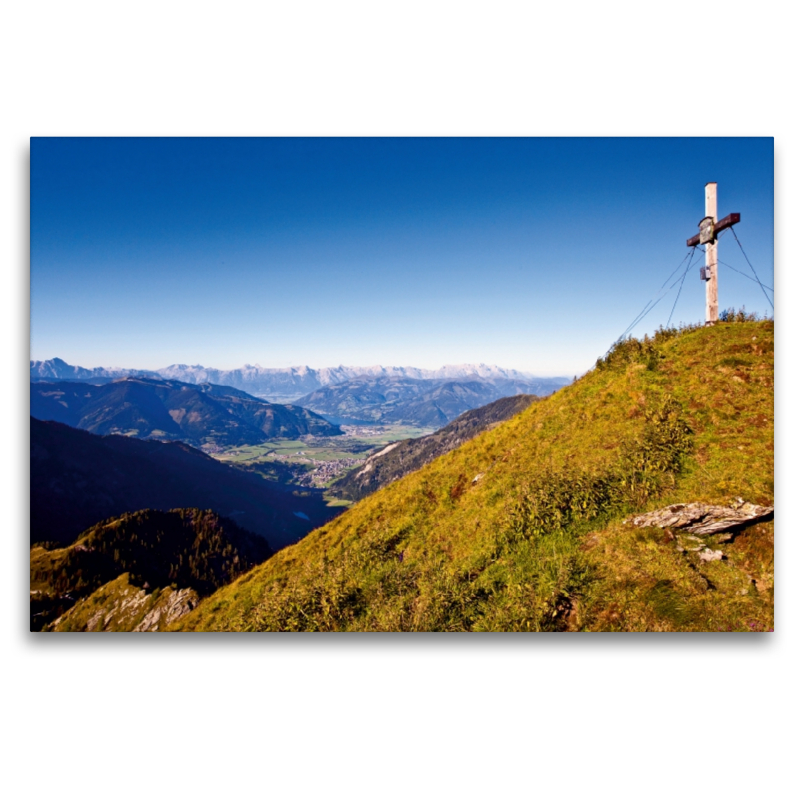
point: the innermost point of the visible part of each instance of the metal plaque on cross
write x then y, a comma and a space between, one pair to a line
706, 230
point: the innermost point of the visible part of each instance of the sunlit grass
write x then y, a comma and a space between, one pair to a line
522, 528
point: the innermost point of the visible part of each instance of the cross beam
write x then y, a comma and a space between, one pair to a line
725, 222
710, 227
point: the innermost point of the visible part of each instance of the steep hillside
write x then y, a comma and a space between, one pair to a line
429, 404
523, 527
187, 548
79, 479
204, 414
400, 458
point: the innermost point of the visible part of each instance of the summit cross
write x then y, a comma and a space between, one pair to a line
709, 228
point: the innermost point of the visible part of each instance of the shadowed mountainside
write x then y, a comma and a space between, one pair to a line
182, 548
429, 404
78, 479
203, 414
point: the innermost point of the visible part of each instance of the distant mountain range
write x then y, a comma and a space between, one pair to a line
426, 403
401, 458
285, 385
55, 369
79, 479
202, 414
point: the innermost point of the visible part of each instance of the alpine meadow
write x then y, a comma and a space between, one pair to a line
526, 527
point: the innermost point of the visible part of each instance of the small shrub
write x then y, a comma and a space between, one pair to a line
731, 315
458, 487
555, 499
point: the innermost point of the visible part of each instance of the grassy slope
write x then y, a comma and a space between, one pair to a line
537, 543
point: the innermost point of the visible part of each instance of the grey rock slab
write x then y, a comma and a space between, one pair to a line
703, 519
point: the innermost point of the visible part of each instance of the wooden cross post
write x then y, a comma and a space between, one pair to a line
709, 228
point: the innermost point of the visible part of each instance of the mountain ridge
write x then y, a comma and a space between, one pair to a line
170, 410
189, 548
426, 403
284, 382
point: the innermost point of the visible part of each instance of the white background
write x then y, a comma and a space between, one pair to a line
390, 716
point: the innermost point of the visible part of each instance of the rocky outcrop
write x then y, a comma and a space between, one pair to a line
711, 555
121, 606
701, 519
172, 607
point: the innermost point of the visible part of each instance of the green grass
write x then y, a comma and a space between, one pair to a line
337, 502
538, 543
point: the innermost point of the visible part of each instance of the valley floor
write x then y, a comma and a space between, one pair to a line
317, 461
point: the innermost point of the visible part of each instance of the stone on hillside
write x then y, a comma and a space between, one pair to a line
693, 543
711, 555
702, 519
172, 605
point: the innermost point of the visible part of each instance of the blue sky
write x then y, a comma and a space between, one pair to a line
529, 253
